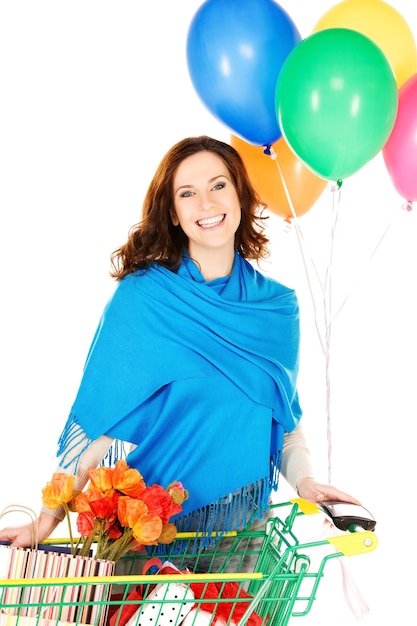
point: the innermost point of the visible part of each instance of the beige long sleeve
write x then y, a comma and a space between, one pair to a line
296, 461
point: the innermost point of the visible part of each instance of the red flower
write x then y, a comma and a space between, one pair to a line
114, 531
85, 523
159, 502
104, 508
82, 501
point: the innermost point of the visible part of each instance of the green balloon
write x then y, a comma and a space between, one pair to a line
336, 100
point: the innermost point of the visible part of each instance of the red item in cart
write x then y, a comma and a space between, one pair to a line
232, 610
121, 615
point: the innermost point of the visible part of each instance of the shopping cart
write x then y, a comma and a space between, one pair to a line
213, 587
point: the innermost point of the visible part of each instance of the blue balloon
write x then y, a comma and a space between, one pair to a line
235, 51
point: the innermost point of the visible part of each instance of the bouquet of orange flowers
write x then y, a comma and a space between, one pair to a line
117, 512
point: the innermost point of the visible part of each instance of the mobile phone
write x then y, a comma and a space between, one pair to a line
347, 516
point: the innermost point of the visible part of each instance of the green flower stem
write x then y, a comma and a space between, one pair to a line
88, 541
115, 548
67, 515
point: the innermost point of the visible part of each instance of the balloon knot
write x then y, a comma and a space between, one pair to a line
336, 185
287, 225
407, 206
269, 151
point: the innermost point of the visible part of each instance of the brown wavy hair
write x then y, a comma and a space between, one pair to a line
156, 240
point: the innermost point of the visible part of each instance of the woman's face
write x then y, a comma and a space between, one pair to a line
206, 205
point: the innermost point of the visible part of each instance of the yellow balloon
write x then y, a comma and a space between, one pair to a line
381, 23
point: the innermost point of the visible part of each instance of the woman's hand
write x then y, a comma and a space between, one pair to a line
25, 536
309, 489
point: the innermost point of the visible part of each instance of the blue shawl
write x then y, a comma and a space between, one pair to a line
201, 377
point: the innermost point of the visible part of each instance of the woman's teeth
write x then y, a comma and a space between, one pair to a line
209, 222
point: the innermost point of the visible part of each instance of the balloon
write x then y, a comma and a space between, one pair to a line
235, 49
383, 25
336, 101
400, 150
269, 175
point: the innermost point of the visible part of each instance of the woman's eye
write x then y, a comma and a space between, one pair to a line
186, 194
219, 186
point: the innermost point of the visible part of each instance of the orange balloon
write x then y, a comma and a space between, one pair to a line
268, 176
381, 23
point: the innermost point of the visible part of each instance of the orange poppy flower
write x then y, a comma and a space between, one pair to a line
147, 530
127, 480
101, 477
58, 491
129, 510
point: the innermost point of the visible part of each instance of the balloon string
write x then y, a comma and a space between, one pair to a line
327, 308
357, 281
302, 246
326, 290
326, 287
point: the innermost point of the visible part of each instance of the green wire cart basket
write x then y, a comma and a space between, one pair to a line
212, 588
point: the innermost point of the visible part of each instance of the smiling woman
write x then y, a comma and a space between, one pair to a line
188, 293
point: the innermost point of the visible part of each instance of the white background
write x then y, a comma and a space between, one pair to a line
92, 94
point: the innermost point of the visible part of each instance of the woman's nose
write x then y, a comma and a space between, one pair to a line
206, 201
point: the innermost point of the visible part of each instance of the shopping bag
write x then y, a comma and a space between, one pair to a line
52, 601
38, 604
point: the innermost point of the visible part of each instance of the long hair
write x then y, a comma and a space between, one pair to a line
156, 240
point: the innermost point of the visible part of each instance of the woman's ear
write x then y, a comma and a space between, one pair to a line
174, 218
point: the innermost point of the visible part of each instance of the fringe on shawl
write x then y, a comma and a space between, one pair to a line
73, 442
233, 512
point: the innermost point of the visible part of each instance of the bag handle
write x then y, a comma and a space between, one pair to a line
153, 562
19, 508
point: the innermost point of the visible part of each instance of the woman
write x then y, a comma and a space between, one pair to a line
194, 362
